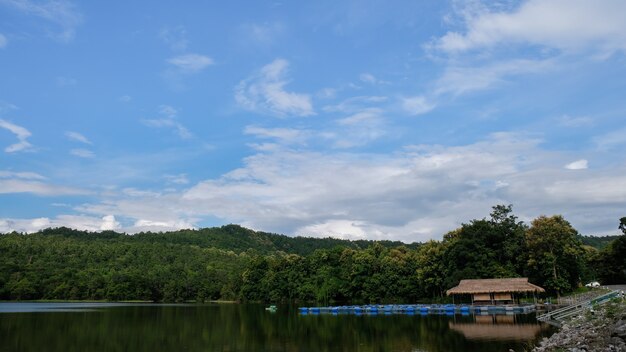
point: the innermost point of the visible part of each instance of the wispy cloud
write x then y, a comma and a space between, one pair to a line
83, 153
125, 98
168, 111
3, 41
262, 34
168, 121
34, 186
181, 130
180, 179
356, 104
175, 37
575, 121
458, 80
6, 107
265, 92
21, 175
563, 24
283, 135
77, 137
60, 12
611, 139
191, 63
418, 105
369, 78
22, 135
359, 129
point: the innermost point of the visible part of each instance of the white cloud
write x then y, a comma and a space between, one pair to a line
21, 175
109, 223
22, 135
412, 194
3, 41
83, 153
265, 92
79, 222
29, 185
344, 229
158, 226
59, 12
125, 98
283, 135
75, 136
569, 25
191, 63
577, 165
417, 105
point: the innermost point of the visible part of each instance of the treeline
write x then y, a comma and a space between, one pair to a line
235, 263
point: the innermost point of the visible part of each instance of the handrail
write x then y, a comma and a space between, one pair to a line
559, 314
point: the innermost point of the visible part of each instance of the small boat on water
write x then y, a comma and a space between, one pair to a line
271, 308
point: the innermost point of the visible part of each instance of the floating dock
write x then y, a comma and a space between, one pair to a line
421, 309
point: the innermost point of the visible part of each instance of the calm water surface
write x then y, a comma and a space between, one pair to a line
246, 327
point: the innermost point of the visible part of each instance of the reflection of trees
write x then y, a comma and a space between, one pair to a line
232, 328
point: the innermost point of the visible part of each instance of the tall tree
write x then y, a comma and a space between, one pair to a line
487, 248
555, 254
611, 261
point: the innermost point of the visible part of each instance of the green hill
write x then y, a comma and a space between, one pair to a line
229, 238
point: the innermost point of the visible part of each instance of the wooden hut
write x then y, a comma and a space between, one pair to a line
494, 291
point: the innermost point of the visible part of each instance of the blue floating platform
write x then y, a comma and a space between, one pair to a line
422, 309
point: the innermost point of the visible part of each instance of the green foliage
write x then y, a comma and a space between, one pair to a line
610, 263
555, 258
235, 263
597, 242
493, 248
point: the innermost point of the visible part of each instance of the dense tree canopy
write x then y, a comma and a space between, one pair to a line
555, 254
235, 263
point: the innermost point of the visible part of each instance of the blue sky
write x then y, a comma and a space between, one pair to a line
355, 119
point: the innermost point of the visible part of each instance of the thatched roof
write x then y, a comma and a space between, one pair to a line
474, 286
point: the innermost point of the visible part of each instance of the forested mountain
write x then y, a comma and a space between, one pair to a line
229, 238
235, 263
597, 242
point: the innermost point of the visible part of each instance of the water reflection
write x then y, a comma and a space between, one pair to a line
240, 327
499, 327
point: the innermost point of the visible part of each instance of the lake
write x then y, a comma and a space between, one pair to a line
249, 327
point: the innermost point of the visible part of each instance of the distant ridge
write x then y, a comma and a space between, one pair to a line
231, 237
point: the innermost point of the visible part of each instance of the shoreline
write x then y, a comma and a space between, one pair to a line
123, 301
600, 329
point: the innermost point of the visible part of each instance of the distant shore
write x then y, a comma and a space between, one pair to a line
106, 301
